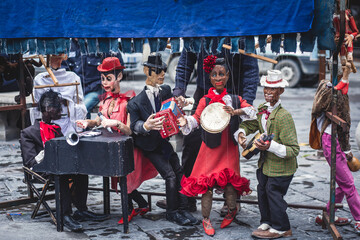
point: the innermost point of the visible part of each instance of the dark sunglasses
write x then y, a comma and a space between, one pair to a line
158, 70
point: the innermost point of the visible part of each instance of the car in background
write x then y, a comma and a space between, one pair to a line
132, 62
297, 68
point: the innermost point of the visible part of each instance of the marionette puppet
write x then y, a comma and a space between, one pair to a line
113, 106
32, 142
277, 163
217, 164
346, 52
143, 109
320, 138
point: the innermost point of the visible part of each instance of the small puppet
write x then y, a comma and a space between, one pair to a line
346, 52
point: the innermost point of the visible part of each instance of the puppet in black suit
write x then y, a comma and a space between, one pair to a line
32, 140
142, 109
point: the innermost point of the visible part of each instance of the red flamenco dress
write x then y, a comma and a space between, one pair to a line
143, 168
216, 167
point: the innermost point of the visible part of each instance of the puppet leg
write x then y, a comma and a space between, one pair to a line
206, 204
230, 195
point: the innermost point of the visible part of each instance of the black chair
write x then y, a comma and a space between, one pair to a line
32, 179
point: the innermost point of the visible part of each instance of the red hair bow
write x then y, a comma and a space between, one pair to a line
209, 63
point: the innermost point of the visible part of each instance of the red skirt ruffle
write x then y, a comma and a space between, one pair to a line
193, 186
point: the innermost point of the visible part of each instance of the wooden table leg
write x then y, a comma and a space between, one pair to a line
124, 203
106, 193
59, 215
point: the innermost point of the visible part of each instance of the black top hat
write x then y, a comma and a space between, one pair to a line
155, 61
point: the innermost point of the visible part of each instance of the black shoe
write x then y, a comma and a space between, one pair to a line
72, 225
193, 220
88, 216
177, 218
161, 204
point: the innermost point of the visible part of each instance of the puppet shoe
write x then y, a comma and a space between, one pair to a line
340, 85
339, 221
228, 218
130, 216
209, 230
89, 216
357, 227
273, 234
345, 89
141, 211
72, 224
188, 215
262, 228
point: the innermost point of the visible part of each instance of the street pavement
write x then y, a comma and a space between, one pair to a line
310, 186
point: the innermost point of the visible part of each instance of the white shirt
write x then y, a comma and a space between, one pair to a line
76, 111
150, 91
275, 147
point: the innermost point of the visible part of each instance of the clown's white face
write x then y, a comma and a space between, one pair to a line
110, 83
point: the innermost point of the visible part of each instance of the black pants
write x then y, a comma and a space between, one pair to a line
192, 142
138, 198
167, 163
77, 195
271, 192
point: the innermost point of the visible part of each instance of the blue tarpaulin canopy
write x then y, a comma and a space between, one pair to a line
44, 26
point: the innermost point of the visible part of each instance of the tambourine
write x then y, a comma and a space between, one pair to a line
214, 118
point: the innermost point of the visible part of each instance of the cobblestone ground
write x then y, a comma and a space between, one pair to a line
310, 186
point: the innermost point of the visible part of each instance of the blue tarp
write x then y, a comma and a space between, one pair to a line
45, 26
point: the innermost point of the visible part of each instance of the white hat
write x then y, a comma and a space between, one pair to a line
273, 79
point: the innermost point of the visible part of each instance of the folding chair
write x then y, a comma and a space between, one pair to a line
32, 178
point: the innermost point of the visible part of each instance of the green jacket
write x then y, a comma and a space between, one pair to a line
281, 123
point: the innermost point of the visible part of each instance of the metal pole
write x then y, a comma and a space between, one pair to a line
334, 111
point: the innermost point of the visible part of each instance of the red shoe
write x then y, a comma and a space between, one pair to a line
228, 218
130, 216
339, 221
345, 90
343, 85
209, 230
141, 211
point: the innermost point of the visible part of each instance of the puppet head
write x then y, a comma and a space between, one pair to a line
154, 69
219, 73
50, 106
55, 60
274, 85
111, 74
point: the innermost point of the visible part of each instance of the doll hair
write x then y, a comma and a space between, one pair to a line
212, 60
49, 99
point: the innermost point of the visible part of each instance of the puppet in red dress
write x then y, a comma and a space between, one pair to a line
346, 52
113, 107
217, 164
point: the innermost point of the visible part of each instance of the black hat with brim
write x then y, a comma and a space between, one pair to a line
155, 61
